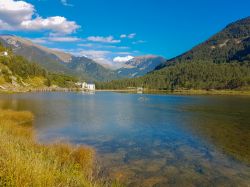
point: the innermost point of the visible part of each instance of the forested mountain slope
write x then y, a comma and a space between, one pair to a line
231, 44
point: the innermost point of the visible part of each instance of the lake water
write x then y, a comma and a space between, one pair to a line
150, 140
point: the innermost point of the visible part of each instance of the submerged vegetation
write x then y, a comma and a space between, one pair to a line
24, 162
227, 128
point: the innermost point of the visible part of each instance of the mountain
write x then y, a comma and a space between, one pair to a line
140, 65
49, 59
231, 44
221, 62
83, 65
18, 74
57, 61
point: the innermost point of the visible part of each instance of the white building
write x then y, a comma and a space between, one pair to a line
86, 86
90, 86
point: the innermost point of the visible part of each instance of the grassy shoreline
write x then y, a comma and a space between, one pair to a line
146, 91
24, 162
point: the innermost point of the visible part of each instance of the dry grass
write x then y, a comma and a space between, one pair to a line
23, 162
2, 80
36, 82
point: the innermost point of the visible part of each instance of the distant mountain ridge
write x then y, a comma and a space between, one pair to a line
17, 41
34, 52
85, 68
58, 61
139, 66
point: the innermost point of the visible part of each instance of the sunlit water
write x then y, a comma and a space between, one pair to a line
150, 140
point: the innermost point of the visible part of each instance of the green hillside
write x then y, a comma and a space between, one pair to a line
91, 70
231, 44
16, 72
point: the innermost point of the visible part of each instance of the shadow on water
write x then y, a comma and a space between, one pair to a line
150, 140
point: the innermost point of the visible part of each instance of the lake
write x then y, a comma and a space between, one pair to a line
150, 140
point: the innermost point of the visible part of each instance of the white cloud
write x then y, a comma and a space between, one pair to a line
14, 12
101, 46
86, 45
109, 39
57, 24
65, 3
20, 15
123, 36
120, 59
64, 39
47, 40
123, 53
123, 47
131, 35
139, 42
93, 54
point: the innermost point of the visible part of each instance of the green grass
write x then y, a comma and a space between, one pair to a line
24, 162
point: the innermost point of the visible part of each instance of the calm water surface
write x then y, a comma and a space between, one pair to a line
150, 140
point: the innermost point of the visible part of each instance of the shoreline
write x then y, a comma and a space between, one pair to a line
146, 91
185, 92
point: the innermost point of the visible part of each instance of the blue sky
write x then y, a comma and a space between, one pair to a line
113, 31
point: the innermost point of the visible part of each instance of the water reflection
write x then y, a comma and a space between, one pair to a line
150, 139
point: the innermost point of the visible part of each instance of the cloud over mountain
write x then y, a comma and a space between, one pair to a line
122, 59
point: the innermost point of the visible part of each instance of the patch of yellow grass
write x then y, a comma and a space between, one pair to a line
21, 118
2, 80
36, 82
23, 162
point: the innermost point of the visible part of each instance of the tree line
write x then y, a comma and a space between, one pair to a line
191, 75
